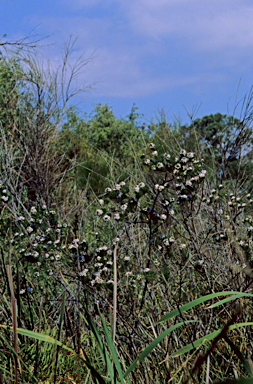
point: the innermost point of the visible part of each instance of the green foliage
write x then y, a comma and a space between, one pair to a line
224, 142
10, 83
101, 144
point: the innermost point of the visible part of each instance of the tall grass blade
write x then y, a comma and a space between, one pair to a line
14, 321
208, 337
39, 336
59, 335
12, 349
112, 349
202, 299
154, 343
221, 302
100, 344
115, 292
237, 381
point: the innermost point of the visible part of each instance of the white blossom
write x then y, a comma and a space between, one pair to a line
84, 272
123, 207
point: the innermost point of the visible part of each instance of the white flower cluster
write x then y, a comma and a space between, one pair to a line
159, 187
4, 197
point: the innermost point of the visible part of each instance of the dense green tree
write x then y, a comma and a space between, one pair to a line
102, 145
224, 142
10, 91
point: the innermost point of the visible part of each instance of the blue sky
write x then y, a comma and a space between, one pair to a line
158, 54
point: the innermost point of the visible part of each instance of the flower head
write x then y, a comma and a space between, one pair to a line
137, 188
123, 207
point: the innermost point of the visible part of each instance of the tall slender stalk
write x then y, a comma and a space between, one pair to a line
114, 293
14, 318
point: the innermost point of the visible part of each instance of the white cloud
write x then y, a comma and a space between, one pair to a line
84, 4
120, 75
130, 52
204, 25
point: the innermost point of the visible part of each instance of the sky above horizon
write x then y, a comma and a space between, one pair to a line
169, 55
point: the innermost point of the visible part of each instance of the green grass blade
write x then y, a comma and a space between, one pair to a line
100, 344
248, 380
39, 336
12, 349
234, 297
200, 300
59, 335
208, 337
112, 349
154, 343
